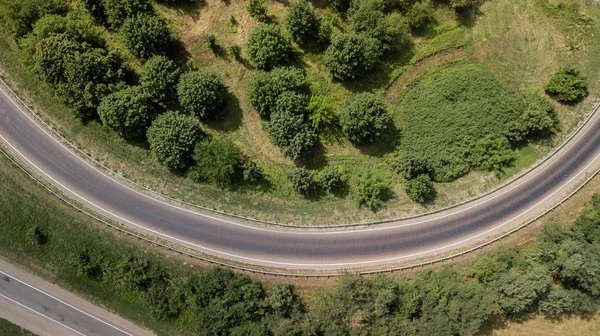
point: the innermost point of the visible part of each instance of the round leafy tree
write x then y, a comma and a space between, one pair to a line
146, 35
538, 119
257, 10
117, 11
330, 179
201, 93
172, 137
420, 188
301, 21
412, 166
420, 14
265, 87
364, 117
268, 47
128, 112
292, 102
217, 161
351, 55
251, 172
370, 190
159, 77
22, 15
303, 181
567, 85
291, 133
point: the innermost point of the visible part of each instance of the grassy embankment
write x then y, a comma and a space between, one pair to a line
522, 42
9, 329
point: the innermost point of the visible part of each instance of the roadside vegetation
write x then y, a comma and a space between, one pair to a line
157, 90
9, 328
556, 277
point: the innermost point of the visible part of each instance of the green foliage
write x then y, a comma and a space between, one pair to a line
557, 302
577, 27
340, 6
23, 14
520, 287
257, 10
303, 181
201, 93
411, 167
368, 18
251, 173
211, 40
95, 8
567, 85
492, 153
330, 179
81, 75
235, 51
118, 11
217, 161
37, 235
291, 102
370, 190
159, 77
419, 189
267, 47
172, 137
538, 119
301, 21
264, 88
484, 269
72, 25
448, 111
420, 14
284, 301
291, 133
461, 4
128, 112
589, 223
366, 15
146, 35
351, 55
323, 112
364, 117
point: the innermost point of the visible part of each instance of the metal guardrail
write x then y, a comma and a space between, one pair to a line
275, 223
304, 275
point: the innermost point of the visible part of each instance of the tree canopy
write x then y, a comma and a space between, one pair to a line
268, 47
172, 137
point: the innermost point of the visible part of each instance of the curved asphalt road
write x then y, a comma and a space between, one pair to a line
303, 249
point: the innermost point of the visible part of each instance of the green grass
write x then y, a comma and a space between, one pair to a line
8, 328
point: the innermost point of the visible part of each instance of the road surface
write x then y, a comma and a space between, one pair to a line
456, 228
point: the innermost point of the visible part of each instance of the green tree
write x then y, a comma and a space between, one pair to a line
172, 137
492, 153
330, 179
75, 27
291, 102
538, 119
251, 172
217, 161
117, 11
567, 85
484, 269
201, 93
267, 47
303, 181
128, 112
419, 189
284, 301
257, 10
291, 133
351, 55
146, 35
23, 14
369, 189
364, 117
159, 77
557, 302
264, 88
340, 6
301, 21
411, 166
95, 8
420, 14
323, 112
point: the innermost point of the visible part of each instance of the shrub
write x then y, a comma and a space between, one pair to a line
284, 301
291, 133
268, 47
368, 18
351, 55
217, 161
340, 6
172, 137
450, 110
201, 93
257, 10
265, 87
146, 35
492, 153
412, 166
301, 21
73, 26
484, 269
128, 112
557, 302
323, 113
330, 179
159, 77
364, 117
235, 51
291, 102
538, 119
420, 14
211, 40
23, 14
366, 15
251, 173
117, 11
303, 181
419, 189
567, 85
370, 190
81, 75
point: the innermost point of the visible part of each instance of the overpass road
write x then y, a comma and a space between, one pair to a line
308, 249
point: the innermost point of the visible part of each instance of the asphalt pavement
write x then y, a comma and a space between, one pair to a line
337, 249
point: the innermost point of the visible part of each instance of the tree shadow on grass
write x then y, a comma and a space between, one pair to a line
384, 144
189, 8
230, 118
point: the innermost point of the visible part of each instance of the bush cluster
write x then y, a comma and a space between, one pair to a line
567, 85
23, 14
264, 88
364, 117
306, 183
267, 47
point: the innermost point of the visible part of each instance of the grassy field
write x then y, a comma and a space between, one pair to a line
9, 329
522, 42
